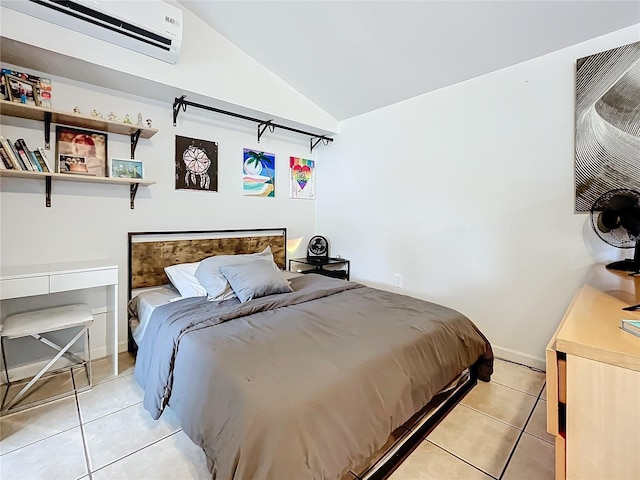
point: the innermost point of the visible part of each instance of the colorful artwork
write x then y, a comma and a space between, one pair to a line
303, 178
196, 164
259, 173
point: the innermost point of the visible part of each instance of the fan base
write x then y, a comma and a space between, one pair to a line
626, 265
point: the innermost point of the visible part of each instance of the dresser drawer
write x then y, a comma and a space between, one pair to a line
76, 281
24, 287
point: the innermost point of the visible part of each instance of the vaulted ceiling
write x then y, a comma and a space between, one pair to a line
351, 57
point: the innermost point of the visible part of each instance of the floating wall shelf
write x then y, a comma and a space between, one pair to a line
70, 177
49, 116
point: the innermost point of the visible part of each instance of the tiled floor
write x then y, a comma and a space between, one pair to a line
498, 431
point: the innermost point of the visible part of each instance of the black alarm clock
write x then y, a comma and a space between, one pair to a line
318, 248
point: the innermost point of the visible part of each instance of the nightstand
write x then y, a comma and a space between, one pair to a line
330, 267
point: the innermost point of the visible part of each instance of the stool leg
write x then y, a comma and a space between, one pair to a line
24, 390
88, 364
6, 371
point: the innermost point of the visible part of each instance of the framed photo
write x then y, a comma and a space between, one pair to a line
20, 90
121, 168
82, 143
72, 164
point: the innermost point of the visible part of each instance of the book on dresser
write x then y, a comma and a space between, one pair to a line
631, 326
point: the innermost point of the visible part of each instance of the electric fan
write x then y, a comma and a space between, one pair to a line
615, 217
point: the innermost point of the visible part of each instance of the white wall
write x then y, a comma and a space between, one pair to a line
467, 192
209, 68
91, 221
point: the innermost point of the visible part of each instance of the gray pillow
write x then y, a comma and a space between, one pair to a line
210, 277
255, 279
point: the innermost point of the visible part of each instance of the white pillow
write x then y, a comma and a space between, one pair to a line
215, 284
182, 277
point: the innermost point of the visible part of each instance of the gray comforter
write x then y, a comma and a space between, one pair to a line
302, 385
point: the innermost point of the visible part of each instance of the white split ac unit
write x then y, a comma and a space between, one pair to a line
151, 27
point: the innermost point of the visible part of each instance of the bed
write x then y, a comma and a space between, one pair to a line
323, 379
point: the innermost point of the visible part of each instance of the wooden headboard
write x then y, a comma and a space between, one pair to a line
150, 252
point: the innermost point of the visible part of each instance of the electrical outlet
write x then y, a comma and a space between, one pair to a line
397, 280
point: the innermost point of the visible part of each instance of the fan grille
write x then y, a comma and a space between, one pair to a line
615, 217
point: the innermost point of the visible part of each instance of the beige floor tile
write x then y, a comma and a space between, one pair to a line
58, 457
108, 397
428, 462
543, 395
174, 457
504, 403
532, 460
29, 426
477, 438
518, 377
102, 370
538, 423
45, 387
112, 437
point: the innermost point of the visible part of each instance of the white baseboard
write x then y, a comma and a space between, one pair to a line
519, 357
31, 369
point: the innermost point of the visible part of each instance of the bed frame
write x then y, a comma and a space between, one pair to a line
150, 252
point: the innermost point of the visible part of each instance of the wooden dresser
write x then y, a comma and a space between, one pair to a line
593, 382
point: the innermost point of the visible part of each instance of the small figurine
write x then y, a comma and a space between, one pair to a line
112, 117
95, 114
140, 124
127, 120
149, 122
76, 110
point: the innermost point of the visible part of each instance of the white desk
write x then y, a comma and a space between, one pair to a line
28, 281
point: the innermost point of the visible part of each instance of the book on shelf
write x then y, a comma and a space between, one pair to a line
34, 160
42, 159
13, 153
23, 151
6, 162
9, 159
631, 326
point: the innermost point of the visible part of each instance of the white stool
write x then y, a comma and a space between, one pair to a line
42, 321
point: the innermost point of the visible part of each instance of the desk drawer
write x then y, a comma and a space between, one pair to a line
24, 287
79, 280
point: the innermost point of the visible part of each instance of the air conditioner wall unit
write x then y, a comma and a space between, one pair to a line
151, 27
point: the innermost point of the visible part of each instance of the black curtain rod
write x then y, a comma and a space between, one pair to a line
262, 124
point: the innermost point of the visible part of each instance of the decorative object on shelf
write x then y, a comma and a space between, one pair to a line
112, 117
196, 164
72, 164
607, 138
127, 120
76, 110
83, 143
41, 88
318, 248
149, 122
125, 168
302, 178
139, 123
21, 90
259, 173
95, 114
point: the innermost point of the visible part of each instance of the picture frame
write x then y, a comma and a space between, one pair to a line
74, 142
72, 164
126, 168
20, 90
